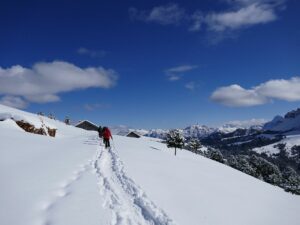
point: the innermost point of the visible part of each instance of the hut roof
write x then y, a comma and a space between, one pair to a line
134, 133
85, 121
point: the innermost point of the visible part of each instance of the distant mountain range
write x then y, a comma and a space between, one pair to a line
203, 131
288, 124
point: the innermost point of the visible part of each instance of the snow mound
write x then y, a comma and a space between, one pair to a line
17, 115
10, 124
38, 121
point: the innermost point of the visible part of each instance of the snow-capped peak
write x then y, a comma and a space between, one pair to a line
290, 122
244, 124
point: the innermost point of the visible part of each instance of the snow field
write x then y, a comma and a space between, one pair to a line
290, 141
195, 190
72, 180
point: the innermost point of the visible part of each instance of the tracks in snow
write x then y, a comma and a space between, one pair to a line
63, 191
127, 201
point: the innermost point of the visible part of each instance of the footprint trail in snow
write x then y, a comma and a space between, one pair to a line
63, 190
126, 200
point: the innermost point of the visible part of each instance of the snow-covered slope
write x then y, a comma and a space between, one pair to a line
202, 131
38, 121
192, 131
72, 180
290, 122
289, 142
157, 133
197, 131
232, 126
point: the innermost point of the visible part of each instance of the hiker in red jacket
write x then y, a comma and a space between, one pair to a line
106, 136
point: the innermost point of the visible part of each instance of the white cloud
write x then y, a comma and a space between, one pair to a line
95, 106
246, 16
280, 89
198, 19
13, 101
45, 80
248, 2
91, 53
191, 86
288, 90
239, 14
175, 73
181, 69
164, 14
174, 77
236, 96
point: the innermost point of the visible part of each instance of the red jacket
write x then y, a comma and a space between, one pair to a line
106, 134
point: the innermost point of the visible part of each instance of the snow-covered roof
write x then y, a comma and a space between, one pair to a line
83, 121
134, 132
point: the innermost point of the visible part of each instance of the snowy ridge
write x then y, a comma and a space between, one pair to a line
290, 122
128, 202
203, 131
17, 115
232, 126
271, 149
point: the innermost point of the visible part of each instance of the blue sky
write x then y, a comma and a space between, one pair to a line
154, 64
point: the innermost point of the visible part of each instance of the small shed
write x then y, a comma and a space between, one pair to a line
87, 125
133, 134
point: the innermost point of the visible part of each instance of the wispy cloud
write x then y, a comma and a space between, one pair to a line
280, 89
164, 14
13, 101
96, 106
46, 80
175, 73
91, 53
245, 16
191, 86
240, 14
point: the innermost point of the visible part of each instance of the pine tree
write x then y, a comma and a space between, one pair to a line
266, 170
215, 154
51, 116
175, 139
231, 161
291, 180
295, 150
194, 145
244, 165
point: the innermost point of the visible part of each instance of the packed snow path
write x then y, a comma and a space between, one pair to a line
128, 202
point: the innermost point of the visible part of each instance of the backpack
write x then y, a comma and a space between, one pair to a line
100, 132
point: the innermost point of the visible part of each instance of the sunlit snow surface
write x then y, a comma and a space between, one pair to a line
72, 180
289, 141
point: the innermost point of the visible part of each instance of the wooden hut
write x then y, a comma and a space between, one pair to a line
133, 134
87, 125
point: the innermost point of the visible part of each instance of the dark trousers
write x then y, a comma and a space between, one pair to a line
106, 142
